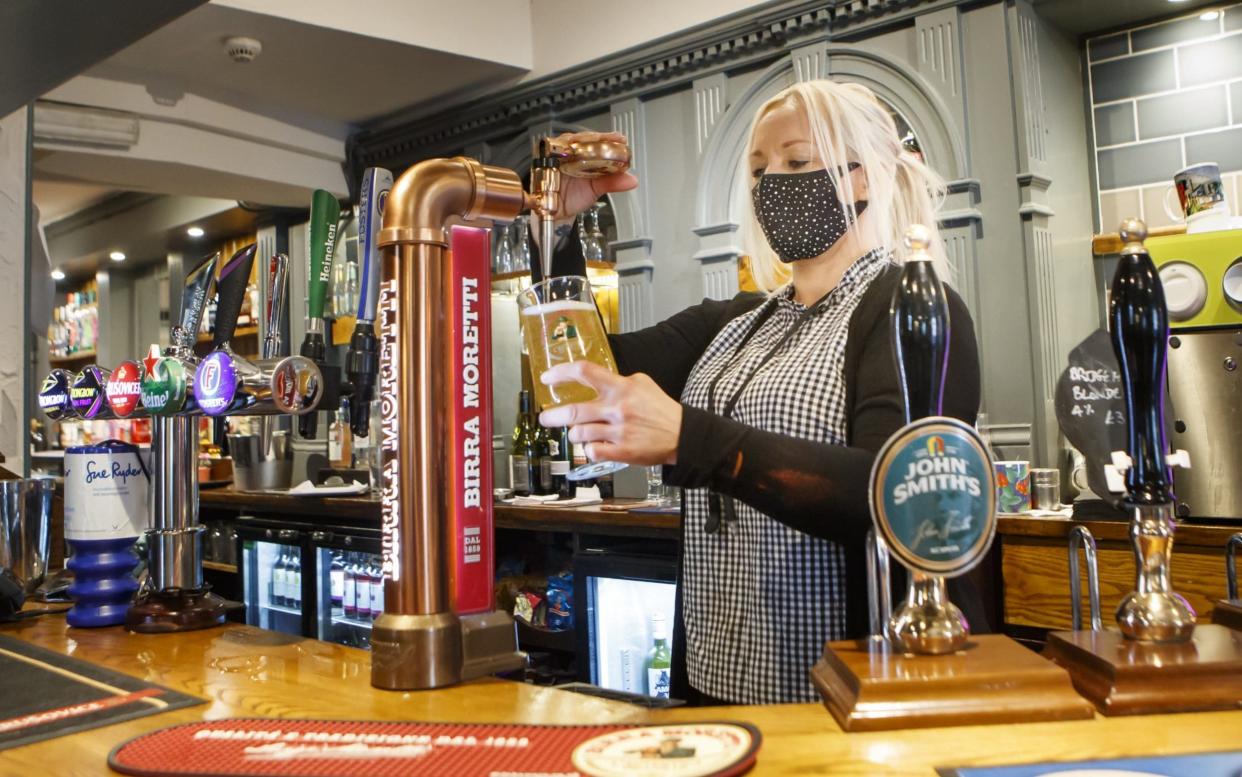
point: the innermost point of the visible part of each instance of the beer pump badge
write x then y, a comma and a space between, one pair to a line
933, 497
54, 395
125, 388
215, 383
163, 387
87, 392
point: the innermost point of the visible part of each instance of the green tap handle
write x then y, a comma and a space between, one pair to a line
325, 213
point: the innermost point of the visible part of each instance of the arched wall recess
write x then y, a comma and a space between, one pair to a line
721, 197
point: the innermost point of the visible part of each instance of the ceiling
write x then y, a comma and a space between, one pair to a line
317, 77
1089, 16
145, 227
57, 199
78, 38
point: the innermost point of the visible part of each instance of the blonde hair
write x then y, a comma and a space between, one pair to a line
849, 124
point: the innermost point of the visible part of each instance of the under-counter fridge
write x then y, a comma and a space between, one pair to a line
312, 580
622, 601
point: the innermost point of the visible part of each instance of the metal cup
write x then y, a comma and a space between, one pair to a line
25, 529
256, 469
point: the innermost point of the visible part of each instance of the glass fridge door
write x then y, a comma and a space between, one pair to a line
349, 590
273, 585
626, 618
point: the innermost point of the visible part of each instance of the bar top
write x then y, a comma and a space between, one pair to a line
246, 672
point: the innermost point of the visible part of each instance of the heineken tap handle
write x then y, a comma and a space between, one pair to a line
231, 286
1139, 325
920, 314
325, 213
362, 360
194, 294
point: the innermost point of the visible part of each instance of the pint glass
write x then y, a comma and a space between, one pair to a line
560, 324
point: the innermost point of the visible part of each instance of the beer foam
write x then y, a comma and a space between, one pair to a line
557, 307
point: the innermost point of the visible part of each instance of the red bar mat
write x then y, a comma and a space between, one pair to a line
315, 748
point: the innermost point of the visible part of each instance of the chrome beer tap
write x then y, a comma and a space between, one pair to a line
167, 383
226, 383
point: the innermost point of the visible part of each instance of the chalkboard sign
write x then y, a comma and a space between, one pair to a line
1091, 409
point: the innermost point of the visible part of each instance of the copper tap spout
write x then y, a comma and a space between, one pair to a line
425, 196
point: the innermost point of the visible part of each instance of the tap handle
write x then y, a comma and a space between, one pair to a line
277, 292
1231, 565
920, 314
325, 213
1139, 326
194, 294
580, 158
231, 286
376, 183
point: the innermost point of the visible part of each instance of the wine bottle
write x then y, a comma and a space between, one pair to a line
659, 660
522, 458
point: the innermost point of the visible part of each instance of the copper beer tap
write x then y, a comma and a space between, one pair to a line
420, 641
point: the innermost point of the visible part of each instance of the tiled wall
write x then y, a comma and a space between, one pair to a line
1164, 96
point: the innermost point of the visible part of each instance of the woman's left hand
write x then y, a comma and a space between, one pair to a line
632, 421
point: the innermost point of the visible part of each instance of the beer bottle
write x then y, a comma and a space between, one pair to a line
547, 453
659, 660
563, 486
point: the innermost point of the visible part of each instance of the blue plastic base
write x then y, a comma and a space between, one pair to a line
103, 581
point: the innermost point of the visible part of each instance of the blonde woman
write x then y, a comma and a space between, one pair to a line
768, 409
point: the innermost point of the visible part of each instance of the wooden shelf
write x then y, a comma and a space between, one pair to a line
79, 357
516, 274
217, 566
1110, 242
240, 332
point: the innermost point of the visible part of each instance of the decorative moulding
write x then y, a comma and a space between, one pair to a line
737, 41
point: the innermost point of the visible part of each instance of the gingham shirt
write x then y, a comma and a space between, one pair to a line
761, 598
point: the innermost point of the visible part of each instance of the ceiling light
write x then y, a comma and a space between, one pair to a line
194, 231
1209, 16
58, 275
116, 256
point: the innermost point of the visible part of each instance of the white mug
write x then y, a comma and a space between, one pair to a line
1199, 190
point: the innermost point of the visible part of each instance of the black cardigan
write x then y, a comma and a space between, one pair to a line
817, 488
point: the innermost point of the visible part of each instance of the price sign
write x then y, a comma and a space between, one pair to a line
1091, 408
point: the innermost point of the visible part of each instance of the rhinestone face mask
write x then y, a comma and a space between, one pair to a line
800, 213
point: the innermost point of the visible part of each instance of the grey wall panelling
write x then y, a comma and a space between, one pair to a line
971, 79
632, 251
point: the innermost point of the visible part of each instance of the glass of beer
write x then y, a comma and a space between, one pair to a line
560, 324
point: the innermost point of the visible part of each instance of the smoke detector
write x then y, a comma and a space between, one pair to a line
242, 49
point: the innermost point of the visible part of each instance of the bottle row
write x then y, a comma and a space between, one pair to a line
75, 325
540, 459
357, 586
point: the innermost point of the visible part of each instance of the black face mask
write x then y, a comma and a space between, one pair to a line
800, 213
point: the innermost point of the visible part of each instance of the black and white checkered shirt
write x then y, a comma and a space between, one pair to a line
760, 598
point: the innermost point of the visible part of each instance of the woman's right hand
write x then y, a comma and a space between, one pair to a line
578, 194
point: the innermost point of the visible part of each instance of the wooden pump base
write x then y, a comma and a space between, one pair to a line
1125, 677
869, 686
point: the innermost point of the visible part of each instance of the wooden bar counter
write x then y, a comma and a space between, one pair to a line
1035, 563
245, 672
